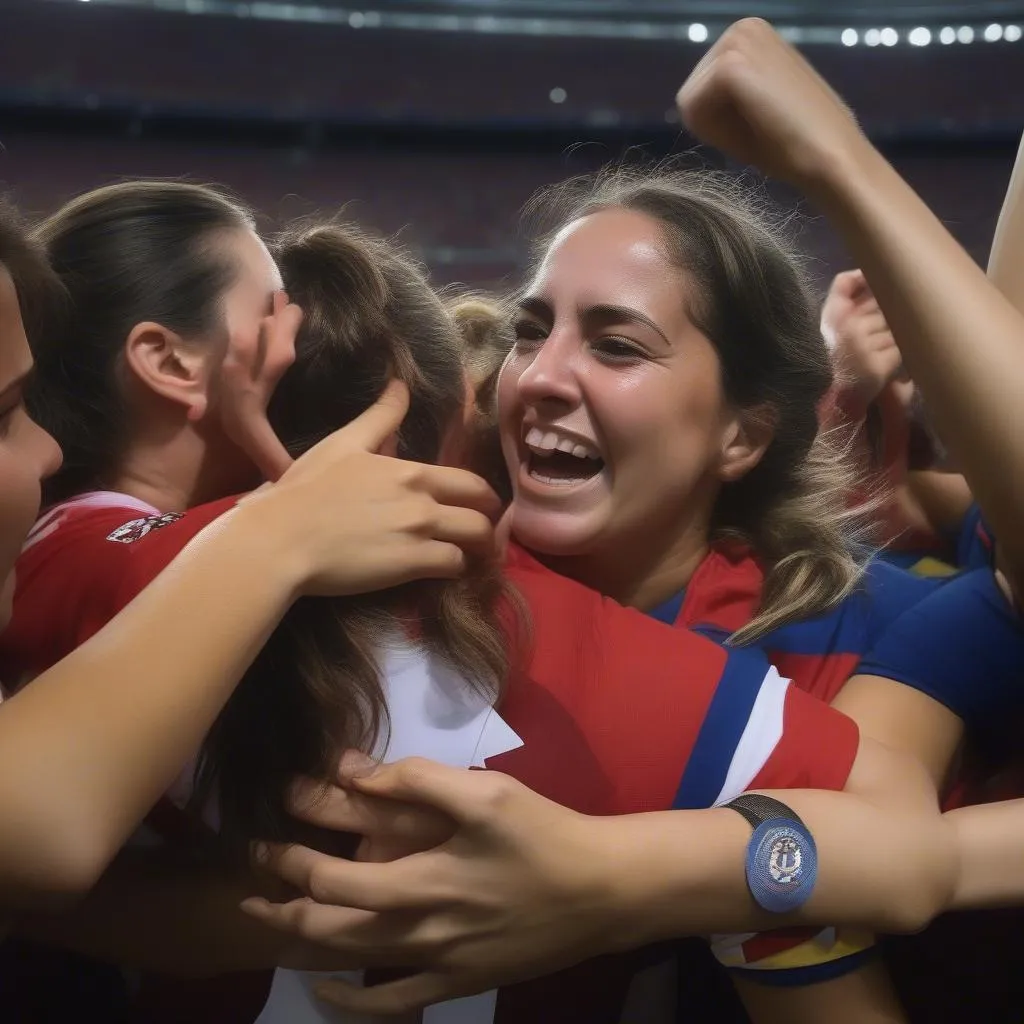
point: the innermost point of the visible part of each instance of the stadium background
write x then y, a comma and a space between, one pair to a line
438, 119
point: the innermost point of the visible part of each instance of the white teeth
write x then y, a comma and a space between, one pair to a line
545, 442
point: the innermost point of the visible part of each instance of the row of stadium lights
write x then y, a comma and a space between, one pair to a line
923, 36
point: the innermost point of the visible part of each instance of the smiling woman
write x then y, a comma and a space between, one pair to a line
668, 350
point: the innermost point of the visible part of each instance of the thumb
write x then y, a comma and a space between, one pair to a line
503, 534
849, 284
457, 792
377, 424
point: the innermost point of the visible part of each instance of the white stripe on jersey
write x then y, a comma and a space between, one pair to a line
49, 521
760, 737
433, 713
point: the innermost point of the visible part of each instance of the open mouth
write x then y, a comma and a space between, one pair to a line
560, 461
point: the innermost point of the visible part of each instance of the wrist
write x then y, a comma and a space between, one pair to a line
838, 178
269, 535
669, 874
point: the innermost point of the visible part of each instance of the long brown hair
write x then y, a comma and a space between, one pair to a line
753, 304
315, 688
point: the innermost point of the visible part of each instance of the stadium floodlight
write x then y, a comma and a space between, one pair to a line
1012, 33
965, 34
993, 33
872, 37
947, 35
919, 37
850, 37
697, 32
356, 19
889, 37
557, 95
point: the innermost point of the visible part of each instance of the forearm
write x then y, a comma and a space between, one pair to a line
90, 745
961, 340
1006, 261
684, 871
152, 913
990, 838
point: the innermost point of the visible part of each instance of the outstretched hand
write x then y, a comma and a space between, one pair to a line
353, 521
517, 886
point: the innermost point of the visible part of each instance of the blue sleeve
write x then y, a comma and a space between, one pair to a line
963, 646
973, 541
892, 591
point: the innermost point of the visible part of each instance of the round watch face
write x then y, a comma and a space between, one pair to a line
782, 865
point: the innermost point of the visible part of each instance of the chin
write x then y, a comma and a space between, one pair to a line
547, 533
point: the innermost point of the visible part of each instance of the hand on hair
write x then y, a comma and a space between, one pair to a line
863, 349
518, 889
756, 99
251, 369
350, 521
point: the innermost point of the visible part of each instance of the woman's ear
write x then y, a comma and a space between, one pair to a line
745, 441
162, 362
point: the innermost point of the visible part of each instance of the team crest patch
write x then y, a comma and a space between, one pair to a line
138, 528
782, 865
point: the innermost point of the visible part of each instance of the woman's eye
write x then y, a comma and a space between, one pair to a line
527, 330
618, 349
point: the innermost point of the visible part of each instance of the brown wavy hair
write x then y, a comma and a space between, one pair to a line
315, 688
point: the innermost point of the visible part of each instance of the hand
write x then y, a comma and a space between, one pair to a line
756, 99
390, 828
251, 370
521, 888
346, 520
863, 349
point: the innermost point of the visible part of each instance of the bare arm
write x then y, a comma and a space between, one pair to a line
89, 746
86, 748
1006, 261
156, 912
990, 837
962, 341
524, 886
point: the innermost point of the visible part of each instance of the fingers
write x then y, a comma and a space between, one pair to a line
264, 447
850, 283
503, 534
277, 350
314, 922
399, 885
450, 486
401, 996
464, 795
345, 811
372, 429
469, 530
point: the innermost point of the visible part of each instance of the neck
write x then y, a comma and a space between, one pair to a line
640, 579
174, 475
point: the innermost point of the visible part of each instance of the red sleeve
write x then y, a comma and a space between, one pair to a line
151, 554
816, 750
67, 576
74, 578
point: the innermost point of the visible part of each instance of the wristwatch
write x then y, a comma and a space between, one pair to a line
782, 860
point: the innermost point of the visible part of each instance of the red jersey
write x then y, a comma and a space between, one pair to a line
617, 712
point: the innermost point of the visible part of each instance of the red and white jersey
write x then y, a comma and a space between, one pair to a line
616, 712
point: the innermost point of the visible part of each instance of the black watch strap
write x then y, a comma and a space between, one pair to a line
758, 809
